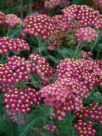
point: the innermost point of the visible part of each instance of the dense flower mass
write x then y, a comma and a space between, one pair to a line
93, 112
2, 18
12, 20
16, 45
86, 34
20, 100
85, 128
86, 15
15, 71
53, 3
76, 78
42, 68
41, 26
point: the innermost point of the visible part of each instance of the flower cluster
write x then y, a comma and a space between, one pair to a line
76, 78
15, 71
93, 112
53, 3
2, 18
16, 45
86, 34
40, 25
17, 100
42, 68
12, 20
85, 128
50, 127
99, 3
86, 15
63, 21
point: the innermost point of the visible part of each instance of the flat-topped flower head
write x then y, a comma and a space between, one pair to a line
85, 128
12, 20
40, 26
2, 18
17, 100
9, 44
87, 34
93, 112
15, 71
54, 3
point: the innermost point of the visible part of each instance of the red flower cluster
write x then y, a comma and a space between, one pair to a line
20, 100
76, 78
15, 71
50, 127
85, 128
53, 3
42, 68
86, 34
40, 25
86, 15
93, 112
15, 45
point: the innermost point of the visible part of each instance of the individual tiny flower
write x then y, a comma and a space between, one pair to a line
85, 128
9, 44
2, 18
12, 20
87, 34
42, 68
50, 127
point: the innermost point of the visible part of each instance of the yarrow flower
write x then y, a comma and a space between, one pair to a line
75, 80
93, 112
85, 128
2, 18
53, 3
15, 71
42, 68
99, 3
50, 127
17, 100
12, 20
41, 26
16, 45
87, 34
86, 15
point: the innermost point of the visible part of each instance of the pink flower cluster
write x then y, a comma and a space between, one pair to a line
86, 15
2, 18
99, 3
87, 34
13, 72
17, 100
85, 128
42, 68
50, 127
93, 112
53, 3
12, 20
76, 78
16, 45
40, 25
